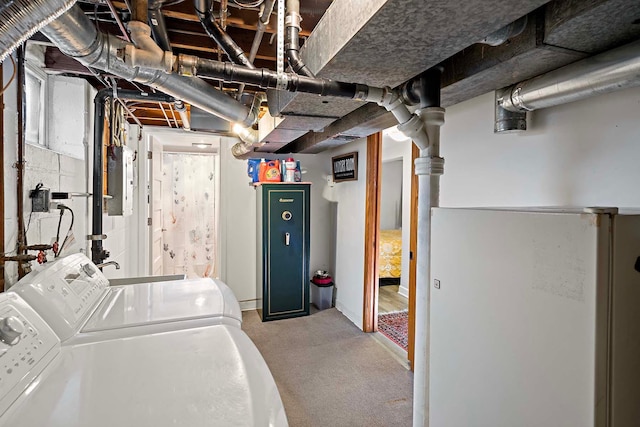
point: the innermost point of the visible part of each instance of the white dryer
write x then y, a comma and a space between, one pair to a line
75, 299
206, 376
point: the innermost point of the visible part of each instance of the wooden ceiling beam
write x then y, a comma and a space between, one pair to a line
55, 60
232, 21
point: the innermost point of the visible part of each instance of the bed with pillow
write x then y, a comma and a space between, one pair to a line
390, 257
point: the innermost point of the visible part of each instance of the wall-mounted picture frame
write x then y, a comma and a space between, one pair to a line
345, 167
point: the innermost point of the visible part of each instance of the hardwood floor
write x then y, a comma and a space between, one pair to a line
390, 300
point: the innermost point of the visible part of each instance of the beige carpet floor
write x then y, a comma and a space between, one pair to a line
329, 373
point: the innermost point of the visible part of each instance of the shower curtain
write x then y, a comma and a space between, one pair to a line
189, 220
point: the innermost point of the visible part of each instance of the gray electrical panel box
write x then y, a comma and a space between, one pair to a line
120, 181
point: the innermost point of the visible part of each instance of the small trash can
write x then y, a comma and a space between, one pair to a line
322, 295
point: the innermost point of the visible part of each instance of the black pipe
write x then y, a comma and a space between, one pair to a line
423, 89
158, 25
267, 79
98, 253
430, 82
204, 10
292, 46
292, 50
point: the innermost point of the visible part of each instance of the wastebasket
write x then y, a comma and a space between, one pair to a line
322, 295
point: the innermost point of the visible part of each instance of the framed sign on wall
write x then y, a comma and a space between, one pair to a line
345, 167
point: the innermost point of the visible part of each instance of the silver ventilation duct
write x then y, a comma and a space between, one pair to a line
77, 37
610, 71
20, 19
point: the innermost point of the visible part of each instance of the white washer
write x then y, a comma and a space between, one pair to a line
207, 376
75, 299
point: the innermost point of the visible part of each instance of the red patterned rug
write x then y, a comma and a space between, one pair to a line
395, 326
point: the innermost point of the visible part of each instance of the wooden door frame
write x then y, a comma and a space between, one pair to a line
372, 232
2, 177
372, 237
413, 248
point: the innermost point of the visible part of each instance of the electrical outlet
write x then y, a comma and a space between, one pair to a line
40, 199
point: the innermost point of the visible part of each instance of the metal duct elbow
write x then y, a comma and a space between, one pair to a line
249, 136
20, 19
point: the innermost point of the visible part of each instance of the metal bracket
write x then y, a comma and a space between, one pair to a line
280, 48
96, 237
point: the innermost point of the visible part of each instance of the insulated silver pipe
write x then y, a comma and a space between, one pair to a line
76, 36
607, 72
20, 19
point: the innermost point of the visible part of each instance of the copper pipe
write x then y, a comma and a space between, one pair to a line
21, 241
39, 247
114, 12
1, 178
25, 258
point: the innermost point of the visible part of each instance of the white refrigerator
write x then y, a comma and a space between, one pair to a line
534, 318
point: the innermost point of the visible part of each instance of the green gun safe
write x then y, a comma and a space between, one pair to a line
283, 250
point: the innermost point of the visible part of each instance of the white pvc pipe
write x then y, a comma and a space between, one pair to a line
429, 167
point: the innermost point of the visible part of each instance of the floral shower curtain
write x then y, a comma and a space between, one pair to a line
188, 203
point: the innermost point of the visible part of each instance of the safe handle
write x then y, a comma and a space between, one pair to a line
287, 237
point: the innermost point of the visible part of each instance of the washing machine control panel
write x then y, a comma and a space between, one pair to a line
64, 292
27, 345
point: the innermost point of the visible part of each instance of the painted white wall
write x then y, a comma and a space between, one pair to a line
395, 146
349, 273
63, 123
122, 241
56, 171
237, 226
391, 195
10, 117
238, 221
62, 167
237, 215
583, 153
